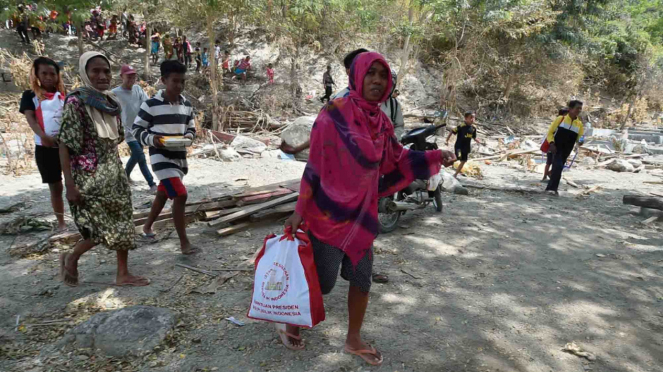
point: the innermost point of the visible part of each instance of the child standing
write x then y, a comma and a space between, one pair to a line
270, 73
205, 60
226, 62
168, 113
155, 47
465, 133
198, 57
42, 106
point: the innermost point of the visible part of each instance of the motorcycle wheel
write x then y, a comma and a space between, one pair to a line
389, 221
437, 202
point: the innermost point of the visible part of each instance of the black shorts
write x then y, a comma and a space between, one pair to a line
328, 259
462, 152
48, 163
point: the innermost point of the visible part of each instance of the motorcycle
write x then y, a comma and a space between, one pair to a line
416, 195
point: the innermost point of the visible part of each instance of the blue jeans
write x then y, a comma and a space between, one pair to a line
558, 162
138, 156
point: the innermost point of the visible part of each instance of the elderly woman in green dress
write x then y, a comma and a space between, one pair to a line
97, 186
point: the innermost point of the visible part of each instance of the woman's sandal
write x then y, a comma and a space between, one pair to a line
67, 278
364, 354
285, 336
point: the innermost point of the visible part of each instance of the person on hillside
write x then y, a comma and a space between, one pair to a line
243, 67
225, 65
22, 25
179, 51
198, 57
154, 49
328, 83
465, 133
97, 187
132, 30
270, 73
124, 19
217, 51
204, 57
563, 134
131, 96
168, 113
187, 50
42, 107
340, 193
549, 155
112, 29
168, 47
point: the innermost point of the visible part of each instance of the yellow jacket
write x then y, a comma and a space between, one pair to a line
564, 122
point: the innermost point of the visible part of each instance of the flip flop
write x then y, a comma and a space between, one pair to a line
284, 336
380, 278
192, 251
65, 274
148, 235
363, 354
142, 283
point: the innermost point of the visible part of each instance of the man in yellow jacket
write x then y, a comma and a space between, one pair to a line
563, 134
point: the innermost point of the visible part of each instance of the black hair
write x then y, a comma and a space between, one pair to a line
172, 67
328, 67
563, 111
269, 65
573, 104
45, 61
217, 41
468, 114
347, 61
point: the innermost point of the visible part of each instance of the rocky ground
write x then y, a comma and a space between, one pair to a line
500, 281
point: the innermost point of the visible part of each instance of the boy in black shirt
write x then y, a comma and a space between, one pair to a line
464, 135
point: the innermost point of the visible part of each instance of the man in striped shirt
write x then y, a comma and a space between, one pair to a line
168, 113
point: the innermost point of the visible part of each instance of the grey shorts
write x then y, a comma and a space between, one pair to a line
328, 259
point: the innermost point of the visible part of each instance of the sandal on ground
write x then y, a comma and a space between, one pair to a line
140, 282
285, 337
192, 251
366, 355
67, 278
148, 235
380, 278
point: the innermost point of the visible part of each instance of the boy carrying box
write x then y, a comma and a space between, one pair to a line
168, 113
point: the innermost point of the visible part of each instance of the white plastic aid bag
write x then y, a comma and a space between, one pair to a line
286, 287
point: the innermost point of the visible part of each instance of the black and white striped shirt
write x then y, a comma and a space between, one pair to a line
158, 116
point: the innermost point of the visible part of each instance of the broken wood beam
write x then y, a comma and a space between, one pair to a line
246, 212
643, 201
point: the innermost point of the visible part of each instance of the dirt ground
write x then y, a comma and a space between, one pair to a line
499, 281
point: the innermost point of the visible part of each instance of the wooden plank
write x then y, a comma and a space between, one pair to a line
211, 215
234, 228
507, 154
263, 196
649, 220
643, 201
278, 210
257, 208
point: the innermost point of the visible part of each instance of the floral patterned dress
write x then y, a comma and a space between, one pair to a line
106, 214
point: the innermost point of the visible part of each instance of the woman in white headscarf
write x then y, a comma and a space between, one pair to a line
97, 186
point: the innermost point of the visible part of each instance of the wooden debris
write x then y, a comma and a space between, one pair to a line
257, 208
649, 220
234, 229
570, 182
591, 190
202, 271
643, 201
508, 154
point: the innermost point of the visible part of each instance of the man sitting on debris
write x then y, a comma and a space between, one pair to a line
563, 135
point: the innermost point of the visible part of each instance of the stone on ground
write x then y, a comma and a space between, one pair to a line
246, 143
130, 331
621, 165
299, 132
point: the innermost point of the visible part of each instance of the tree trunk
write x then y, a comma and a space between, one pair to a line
643, 201
148, 47
212, 75
79, 29
628, 113
405, 56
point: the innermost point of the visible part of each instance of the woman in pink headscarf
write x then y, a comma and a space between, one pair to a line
352, 147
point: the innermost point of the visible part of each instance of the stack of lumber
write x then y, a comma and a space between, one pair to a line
231, 212
245, 121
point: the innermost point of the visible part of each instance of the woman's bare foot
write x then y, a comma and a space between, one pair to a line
188, 249
62, 227
129, 280
69, 270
